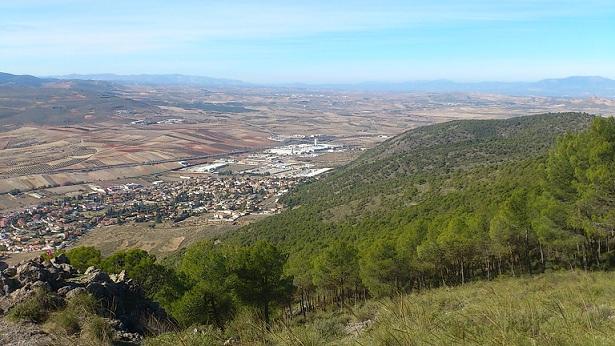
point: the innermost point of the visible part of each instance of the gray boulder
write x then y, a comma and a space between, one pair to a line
31, 273
74, 292
9, 272
118, 296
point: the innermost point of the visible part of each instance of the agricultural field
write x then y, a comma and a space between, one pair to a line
34, 158
55, 133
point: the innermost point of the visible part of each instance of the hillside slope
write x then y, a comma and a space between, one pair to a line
428, 170
563, 308
438, 150
566, 308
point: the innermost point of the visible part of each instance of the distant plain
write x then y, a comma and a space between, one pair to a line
68, 132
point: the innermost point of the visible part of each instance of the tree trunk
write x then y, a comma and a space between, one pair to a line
512, 266
442, 277
214, 311
488, 269
266, 315
527, 251
584, 258
303, 307
542, 255
463, 278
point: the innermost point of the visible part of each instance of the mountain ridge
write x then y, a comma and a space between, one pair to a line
571, 86
160, 79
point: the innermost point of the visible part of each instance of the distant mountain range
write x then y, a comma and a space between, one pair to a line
576, 86
160, 79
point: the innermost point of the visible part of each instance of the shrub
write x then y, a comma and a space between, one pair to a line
78, 310
247, 326
96, 330
83, 303
65, 321
37, 307
209, 335
83, 257
331, 326
304, 335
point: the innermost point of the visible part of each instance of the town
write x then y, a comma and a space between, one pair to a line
56, 224
222, 191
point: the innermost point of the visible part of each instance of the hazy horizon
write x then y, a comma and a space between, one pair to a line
459, 81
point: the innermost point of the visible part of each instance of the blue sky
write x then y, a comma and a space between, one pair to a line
311, 41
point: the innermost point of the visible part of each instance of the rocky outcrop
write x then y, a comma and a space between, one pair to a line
122, 302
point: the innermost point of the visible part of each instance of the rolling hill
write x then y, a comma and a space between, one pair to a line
7, 79
43, 101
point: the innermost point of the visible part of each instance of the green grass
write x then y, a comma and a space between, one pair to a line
71, 320
188, 337
65, 322
35, 308
96, 331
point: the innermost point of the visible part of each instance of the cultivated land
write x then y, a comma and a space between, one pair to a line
58, 133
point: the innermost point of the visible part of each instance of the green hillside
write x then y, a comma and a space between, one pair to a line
454, 202
438, 151
468, 166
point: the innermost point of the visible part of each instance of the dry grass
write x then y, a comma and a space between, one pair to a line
572, 308
568, 308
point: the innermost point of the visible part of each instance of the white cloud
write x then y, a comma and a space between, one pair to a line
127, 28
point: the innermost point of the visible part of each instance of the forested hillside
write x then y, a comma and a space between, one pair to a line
430, 183
424, 154
453, 202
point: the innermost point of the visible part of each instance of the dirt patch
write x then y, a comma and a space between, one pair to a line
160, 239
24, 334
173, 244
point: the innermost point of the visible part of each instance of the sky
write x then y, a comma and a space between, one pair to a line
315, 41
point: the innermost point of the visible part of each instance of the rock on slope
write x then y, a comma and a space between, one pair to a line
128, 311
